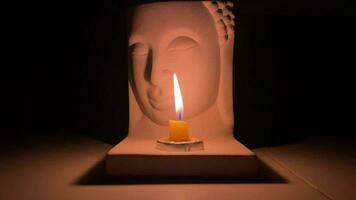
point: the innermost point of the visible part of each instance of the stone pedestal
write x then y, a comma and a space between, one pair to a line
140, 157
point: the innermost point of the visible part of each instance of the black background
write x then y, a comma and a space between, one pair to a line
64, 68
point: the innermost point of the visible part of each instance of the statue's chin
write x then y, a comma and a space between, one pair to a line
160, 122
161, 117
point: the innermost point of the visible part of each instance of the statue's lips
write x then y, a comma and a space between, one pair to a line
162, 104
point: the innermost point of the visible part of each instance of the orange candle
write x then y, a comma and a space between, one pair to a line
178, 129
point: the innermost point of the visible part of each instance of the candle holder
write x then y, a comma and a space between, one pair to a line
169, 145
189, 41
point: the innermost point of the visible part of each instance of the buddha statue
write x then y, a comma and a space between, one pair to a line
191, 41
195, 41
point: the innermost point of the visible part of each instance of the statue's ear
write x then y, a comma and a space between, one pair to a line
223, 16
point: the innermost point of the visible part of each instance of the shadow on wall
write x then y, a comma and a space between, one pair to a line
105, 76
295, 75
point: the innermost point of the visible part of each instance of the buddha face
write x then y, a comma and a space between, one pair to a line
169, 38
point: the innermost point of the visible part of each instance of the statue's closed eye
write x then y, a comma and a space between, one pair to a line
139, 49
182, 43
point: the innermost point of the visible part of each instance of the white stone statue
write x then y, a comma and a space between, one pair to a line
194, 40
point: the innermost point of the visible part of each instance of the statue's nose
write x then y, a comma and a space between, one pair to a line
157, 71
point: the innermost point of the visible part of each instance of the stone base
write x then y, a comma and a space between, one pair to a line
140, 157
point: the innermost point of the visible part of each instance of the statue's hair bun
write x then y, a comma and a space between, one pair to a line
224, 18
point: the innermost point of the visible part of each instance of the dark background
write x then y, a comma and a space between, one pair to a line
64, 69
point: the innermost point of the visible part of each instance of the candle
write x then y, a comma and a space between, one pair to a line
178, 129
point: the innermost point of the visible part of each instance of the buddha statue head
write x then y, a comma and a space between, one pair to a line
194, 40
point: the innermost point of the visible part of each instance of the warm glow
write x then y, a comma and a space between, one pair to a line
178, 100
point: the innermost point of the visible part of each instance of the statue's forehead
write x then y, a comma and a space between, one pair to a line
155, 19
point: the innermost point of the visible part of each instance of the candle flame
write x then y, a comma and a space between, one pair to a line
178, 100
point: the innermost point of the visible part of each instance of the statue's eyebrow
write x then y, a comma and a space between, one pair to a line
136, 39
181, 36
182, 43
182, 33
